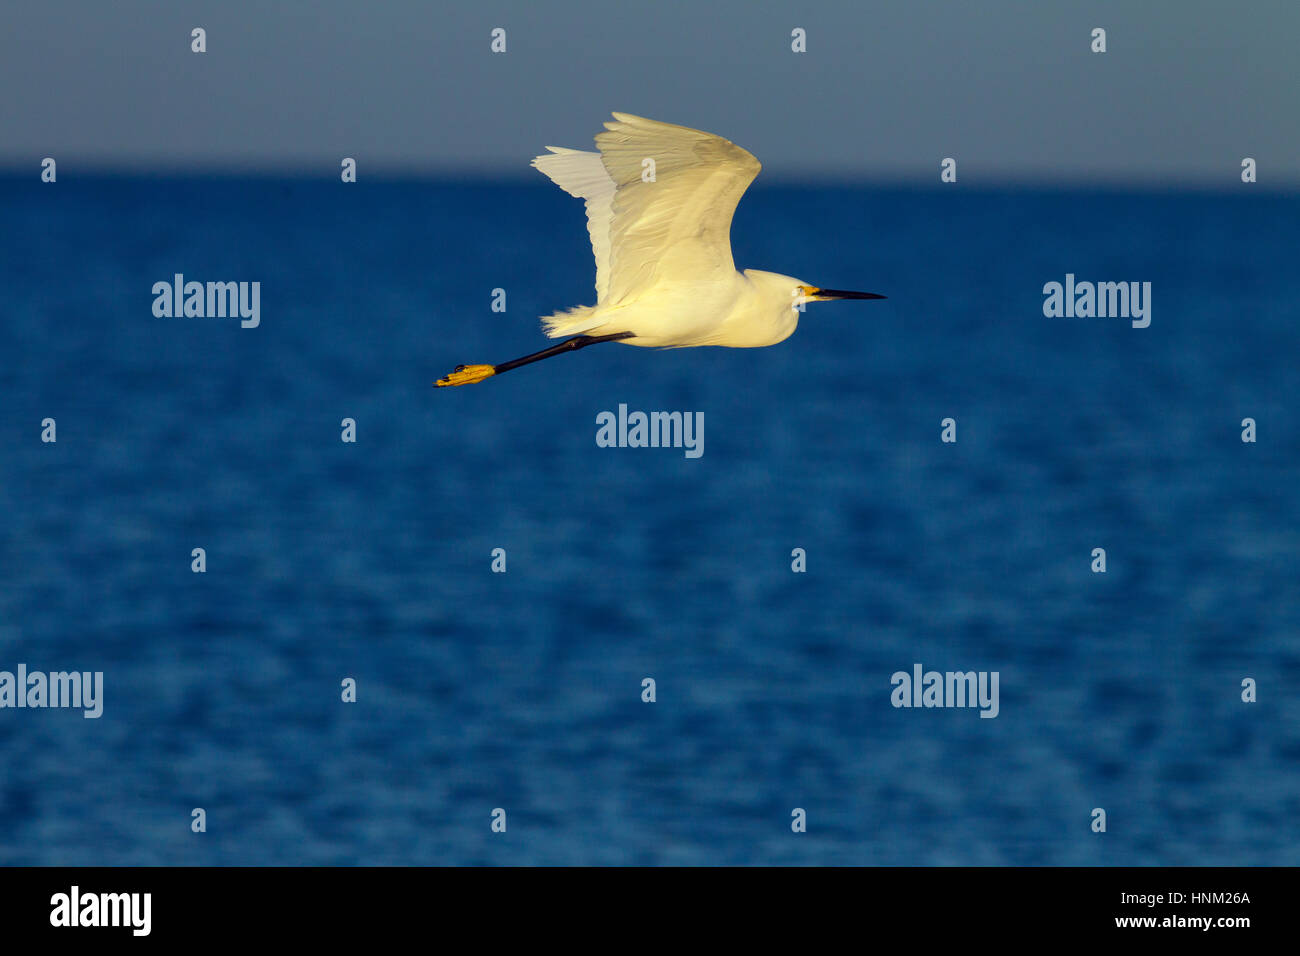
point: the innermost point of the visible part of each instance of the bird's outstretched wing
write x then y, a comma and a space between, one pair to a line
677, 223
583, 175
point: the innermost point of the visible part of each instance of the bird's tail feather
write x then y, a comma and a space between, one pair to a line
573, 322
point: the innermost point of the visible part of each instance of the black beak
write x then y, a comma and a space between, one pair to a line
842, 294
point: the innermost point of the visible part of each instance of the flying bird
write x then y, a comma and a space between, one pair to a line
664, 273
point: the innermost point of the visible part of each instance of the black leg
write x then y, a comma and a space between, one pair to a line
468, 374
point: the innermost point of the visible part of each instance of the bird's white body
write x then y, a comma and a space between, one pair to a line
741, 310
660, 199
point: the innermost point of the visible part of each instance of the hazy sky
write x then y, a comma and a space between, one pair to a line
886, 89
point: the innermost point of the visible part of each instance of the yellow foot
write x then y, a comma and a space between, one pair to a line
466, 375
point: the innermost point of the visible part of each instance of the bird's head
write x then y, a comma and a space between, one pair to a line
803, 292
797, 291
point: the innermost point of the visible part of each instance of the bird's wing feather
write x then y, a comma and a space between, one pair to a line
583, 175
680, 223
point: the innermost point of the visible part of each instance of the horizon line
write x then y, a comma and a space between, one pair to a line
410, 173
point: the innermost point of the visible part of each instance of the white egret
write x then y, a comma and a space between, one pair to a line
664, 273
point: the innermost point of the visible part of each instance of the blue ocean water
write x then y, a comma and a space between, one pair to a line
522, 690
